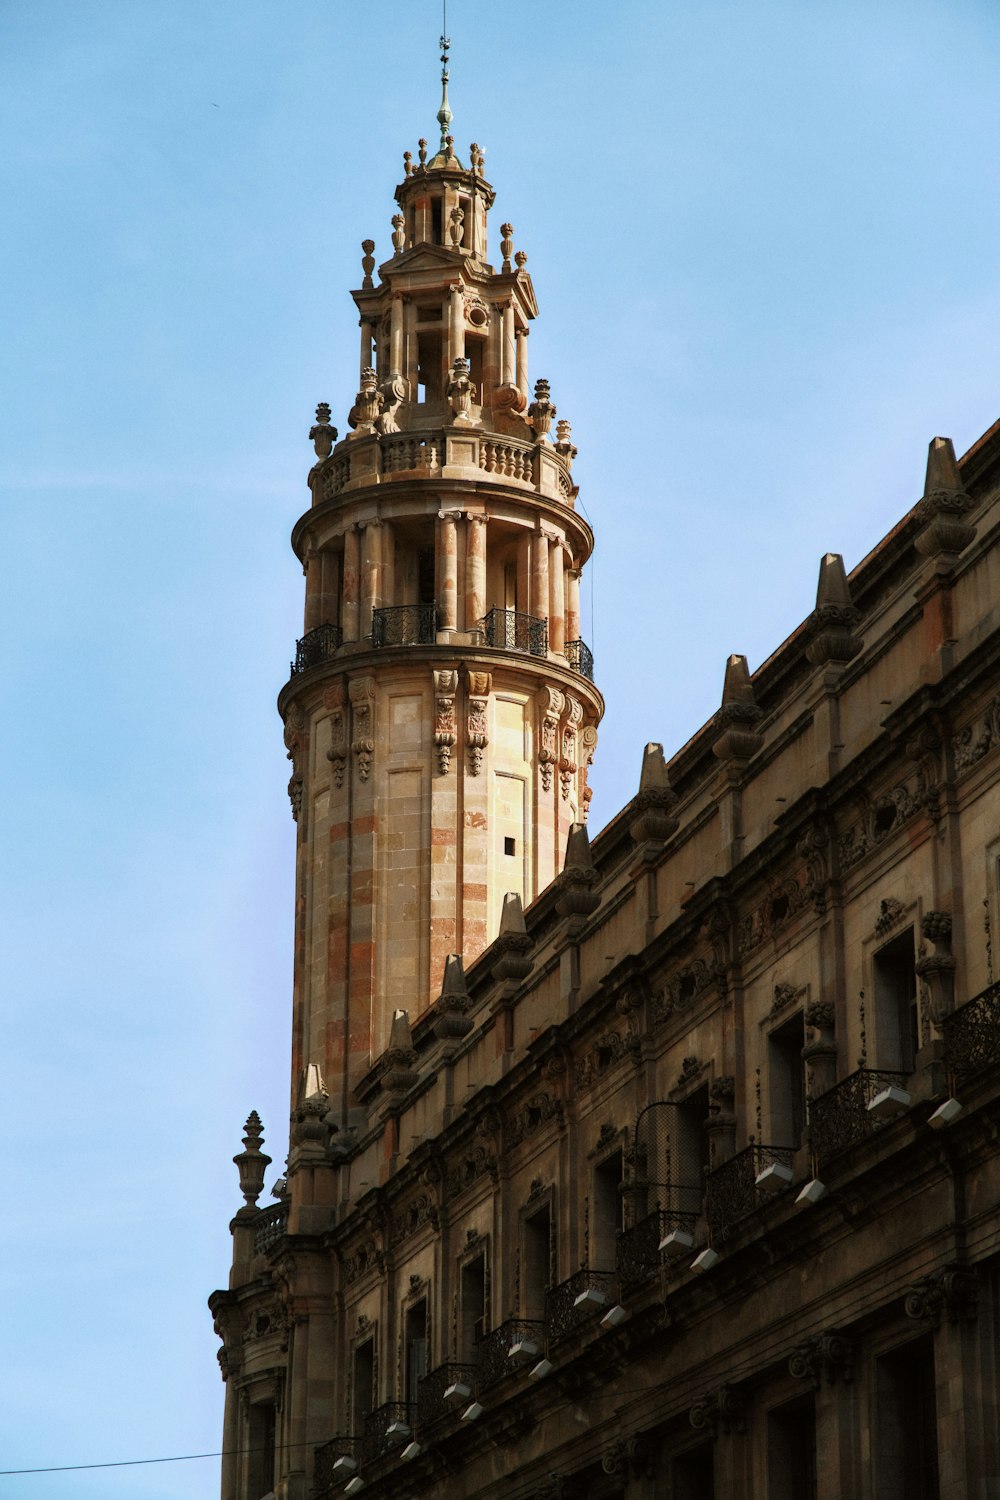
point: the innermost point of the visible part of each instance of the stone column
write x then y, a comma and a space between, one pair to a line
540, 576
456, 326
571, 629
508, 361
396, 337
387, 583
371, 575
410, 348
475, 570
314, 584
230, 1442
521, 342
350, 593
329, 606
447, 589
366, 344
557, 622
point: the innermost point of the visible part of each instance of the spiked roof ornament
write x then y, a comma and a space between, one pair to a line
653, 819
944, 505
738, 716
831, 624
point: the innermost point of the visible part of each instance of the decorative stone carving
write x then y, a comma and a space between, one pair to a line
367, 1257
267, 1320
512, 948
977, 739
422, 152
721, 1410
782, 996
521, 259
831, 624
738, 738
721, 1122
322, 435
476, 310
368, 404
393, 392
478, 720
541, 412
333, 699
890, 912
588, 748
398, 1073
296, 744
538, 1111
611, 1048
407, 163
412, 1216
445, 730
310, 1130
564, 445
828, 1356
456, 227
362, 694
629, 1458
460, 391
506, 245
653, 820
575, 896
251, 1161
814, 848
944, 506
477, 1163
783, 901
551, 704
684, 988
567, 758
820, 1052
924, 749
937, 969
398, 233
367, 263
953, 1290
451, 1019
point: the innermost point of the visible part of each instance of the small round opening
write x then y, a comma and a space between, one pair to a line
477, 317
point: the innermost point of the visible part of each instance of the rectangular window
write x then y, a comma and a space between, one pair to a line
261, 1456
906, 1453
364, 1384
429, 366
689, 1152
897, 1032
606, 1218
694, 1474
786, 1083
791, 1452
474, 354
474, 1322
416, 1348
539, 1255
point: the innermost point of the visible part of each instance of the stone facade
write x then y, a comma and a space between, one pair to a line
666, 1165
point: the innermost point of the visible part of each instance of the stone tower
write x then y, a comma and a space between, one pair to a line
441, 713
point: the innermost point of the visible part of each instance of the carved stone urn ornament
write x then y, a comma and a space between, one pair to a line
322, 435
460, 391
541, 412
367, 404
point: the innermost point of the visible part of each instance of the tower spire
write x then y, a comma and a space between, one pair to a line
444, 113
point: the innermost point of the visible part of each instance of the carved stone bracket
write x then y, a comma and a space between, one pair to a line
568, 749
820, 1053
477, 732
551, 706
953, 1290
362, 693
937, 969
588, 748
333, 699
828, 1356
445, 732
721, 1410
629, 1458
296, 745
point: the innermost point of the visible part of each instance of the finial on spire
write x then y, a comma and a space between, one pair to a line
444, 113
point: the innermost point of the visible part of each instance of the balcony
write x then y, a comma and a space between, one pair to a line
580, 658
271, 1226
573, 1303
839, 1119
387, 1429
638, 1250
744, 1184
444, 1392
972, 1036
516, 632
404, 625
318, 646
516, 1343
336, 1462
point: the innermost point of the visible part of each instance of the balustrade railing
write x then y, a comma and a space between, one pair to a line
336, 1462
580, 658
732, 1191
404, 625
271, 1226
317, 646
638, 1251
386, 1429
512, 460
574, 1302
516, 632
445, 1390
839, 1119
405, 453
972, 1036
508, 1348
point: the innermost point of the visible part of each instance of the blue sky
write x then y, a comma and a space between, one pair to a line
764, 241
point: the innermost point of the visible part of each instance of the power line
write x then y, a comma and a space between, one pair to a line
132, 1463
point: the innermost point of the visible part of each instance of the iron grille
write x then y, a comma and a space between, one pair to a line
317, 646
839, 1118
516, 632
271, 1226
494, 1348
580, 658
562, 1314
379, 1437
327, 1482
404, 625
731, 1191
431, 1405
972, 1036
638, 1249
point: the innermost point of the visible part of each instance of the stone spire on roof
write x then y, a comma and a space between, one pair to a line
944, 506
738, 717
832, 622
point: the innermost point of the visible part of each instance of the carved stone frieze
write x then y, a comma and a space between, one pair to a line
684, 989
412, 1216
611, 1048
976, 739
880, 816
784, 900
267, 1320
537, 1111
366, 1257
477, 1163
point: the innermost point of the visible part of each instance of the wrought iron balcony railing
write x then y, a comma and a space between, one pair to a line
404, 625
509, 1347
387, 1428
839, 1119
580, 658
516, 632
446, 1390
336, 1462
318, 646
972, 1036
638, 1250
574, 1302
733, 1191
271, 1226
